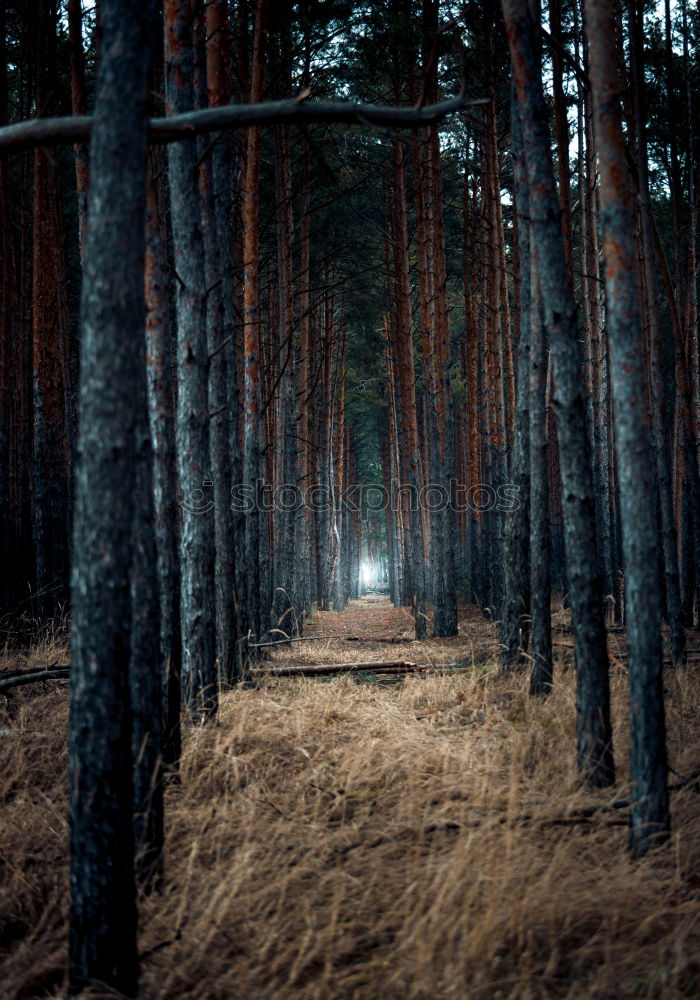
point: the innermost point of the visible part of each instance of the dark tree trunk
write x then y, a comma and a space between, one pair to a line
595, 754
287, 610
516, 549
252, 353
145, 665
197, 598
103, 907
219, 417
220, 93
649, 815
79, 107
403, 366
51, 445
659, 376
540, 542
161, 407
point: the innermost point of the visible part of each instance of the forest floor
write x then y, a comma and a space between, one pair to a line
350, 839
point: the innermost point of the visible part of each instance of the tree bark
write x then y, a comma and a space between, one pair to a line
192, 421
516, 549
161, 408
103, 907
252, 350
649, 815
594, 735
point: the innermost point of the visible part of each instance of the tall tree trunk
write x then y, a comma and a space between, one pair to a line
659, 407
540, 541
52, 446
649, 815
252, 350
207, 58
161, 407
103, 906
403, 366
287, 610
145, 667
199, 674
303, 429
516, 549
220, 88
79, 107
594, 734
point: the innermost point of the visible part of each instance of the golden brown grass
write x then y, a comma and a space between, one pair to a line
335, 840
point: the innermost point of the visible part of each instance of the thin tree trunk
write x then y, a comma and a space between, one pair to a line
197, 594
51, 403
540, 542
161, 406
207, 60
516, 549
252, 350
403, 365
659, 407
79, 107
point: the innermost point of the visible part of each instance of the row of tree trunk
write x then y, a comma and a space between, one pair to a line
215, 449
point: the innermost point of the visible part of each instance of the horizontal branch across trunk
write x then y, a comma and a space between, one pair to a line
55, 131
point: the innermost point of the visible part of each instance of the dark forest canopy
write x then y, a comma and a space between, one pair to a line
428, 319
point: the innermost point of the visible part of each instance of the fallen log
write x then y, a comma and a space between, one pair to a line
59, 672
376, 667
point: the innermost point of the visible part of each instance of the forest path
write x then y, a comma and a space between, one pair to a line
371, 629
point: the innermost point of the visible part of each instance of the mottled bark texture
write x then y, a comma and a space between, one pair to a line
594, 734
649, 815
657, 339
540, 541
219, 417
103, 907
256, 601
79, 107
220, 92
516, 547
145, 665
287, 613
50, 367
403, 366
161, 408
197, 595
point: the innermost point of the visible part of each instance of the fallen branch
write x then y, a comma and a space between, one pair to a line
59, 672
77, 129
296, 638
395, 640
377, 667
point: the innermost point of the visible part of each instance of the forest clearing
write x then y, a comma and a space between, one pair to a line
349, 499
424, 838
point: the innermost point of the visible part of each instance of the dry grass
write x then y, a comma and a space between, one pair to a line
337, 840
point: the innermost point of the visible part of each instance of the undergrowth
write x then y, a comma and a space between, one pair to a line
346, 841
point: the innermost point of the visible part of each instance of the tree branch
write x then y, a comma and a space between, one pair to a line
17, 680
56, 131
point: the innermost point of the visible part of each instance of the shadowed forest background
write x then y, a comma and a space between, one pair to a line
349, 475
